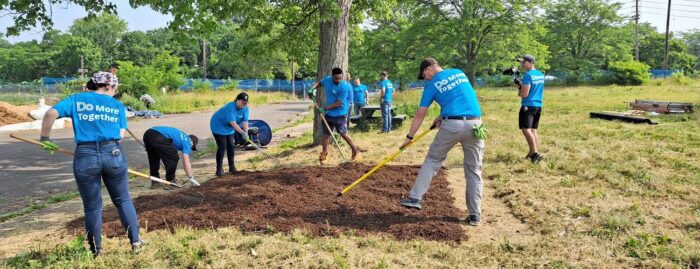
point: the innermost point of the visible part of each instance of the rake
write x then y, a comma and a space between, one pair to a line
384, 162
328, 127
260, 152
70, 153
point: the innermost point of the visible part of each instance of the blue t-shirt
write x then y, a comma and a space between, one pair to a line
359, 93
389, 90
350, 98
335, 92
535, 79
451, 89
181, 140
96, 117
220, 121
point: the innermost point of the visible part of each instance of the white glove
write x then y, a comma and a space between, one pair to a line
194, 181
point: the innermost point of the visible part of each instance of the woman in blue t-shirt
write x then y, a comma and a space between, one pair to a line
99, 122
231, 118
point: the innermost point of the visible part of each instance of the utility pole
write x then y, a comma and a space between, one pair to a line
668, 21
293, 88
636, 30
82, 69
204, 57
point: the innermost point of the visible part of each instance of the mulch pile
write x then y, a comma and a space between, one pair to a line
302, 198
10, 114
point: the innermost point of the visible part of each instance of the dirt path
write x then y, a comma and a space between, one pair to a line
497, 222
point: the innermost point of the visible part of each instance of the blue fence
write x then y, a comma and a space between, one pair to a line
51, 83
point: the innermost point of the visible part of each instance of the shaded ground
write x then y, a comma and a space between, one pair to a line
303, 198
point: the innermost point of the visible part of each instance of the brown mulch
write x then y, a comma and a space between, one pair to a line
11, 114
302, 198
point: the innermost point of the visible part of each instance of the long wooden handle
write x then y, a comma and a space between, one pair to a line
137, 140
384, 162
70, 153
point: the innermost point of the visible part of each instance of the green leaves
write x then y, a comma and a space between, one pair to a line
480, 131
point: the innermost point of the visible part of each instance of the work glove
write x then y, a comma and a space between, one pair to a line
194, 181
246, 137
48, 145
517, 82
480, 131
321, 110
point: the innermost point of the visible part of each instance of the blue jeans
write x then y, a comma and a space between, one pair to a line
386, 116
357, 107
93, 164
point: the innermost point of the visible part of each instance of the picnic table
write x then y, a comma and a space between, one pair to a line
372, 114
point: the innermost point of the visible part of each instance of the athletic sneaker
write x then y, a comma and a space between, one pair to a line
220, 173
536, 157
138, 246
474, 220
410, 203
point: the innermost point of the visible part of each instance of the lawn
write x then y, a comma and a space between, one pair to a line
607, 195
180, 102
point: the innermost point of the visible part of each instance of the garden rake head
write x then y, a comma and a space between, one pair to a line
264, 155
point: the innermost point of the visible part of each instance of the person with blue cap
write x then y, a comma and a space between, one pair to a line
99, 123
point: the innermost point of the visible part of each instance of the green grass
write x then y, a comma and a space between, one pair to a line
21, 99
607, 195
37, 206
185, 102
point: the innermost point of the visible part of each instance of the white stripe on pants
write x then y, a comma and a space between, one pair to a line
452, 132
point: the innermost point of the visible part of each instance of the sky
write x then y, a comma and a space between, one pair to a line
685, 15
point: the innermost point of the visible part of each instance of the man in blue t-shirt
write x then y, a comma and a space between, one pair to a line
335, 110
162, 144
231, 118
387, 93
361, 94
460, 114
349, 100
530, 89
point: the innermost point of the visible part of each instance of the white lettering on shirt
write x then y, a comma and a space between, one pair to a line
451, 82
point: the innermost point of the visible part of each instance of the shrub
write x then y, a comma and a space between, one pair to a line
629, 72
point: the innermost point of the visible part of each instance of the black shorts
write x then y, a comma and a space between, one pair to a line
339, 124
529, 117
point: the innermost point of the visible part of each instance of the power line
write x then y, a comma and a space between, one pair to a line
664, 4
679, 16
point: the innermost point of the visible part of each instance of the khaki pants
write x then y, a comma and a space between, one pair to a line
452, 132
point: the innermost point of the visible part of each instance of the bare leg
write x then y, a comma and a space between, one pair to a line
537, 140
348, 139
531, 140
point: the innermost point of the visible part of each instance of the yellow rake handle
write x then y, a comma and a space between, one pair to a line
70, 153
384, 162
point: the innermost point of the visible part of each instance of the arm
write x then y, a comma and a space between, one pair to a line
245, 126
334, 105
366, 97
46, 124
524, 91
417, 120
238, 128
122, 133
187, 165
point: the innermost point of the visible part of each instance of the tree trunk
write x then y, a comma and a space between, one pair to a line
333, 52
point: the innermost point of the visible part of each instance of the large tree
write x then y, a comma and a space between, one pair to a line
104, 30
584, 35
692, 40
480, 35
28, 13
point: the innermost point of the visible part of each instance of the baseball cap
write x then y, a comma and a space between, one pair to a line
194, 140
242, 96
105, 78
425, 64
527, 57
